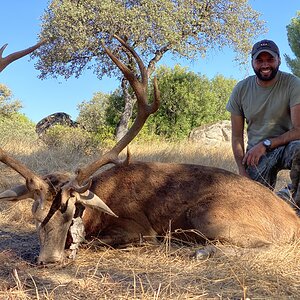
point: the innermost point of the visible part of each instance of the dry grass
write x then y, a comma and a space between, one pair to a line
146, 272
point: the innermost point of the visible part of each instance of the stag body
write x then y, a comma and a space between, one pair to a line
152, 198
220, 205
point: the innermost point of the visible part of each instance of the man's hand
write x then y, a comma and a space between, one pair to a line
253, 156
242, 172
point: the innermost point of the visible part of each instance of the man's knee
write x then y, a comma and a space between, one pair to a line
291, 149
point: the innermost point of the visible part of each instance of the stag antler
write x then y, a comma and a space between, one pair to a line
5, 61
33, 181
145, 109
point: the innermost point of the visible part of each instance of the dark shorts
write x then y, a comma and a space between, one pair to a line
274, 161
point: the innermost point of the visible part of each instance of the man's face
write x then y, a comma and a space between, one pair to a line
266, 66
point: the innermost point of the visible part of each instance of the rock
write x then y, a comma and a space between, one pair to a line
54, 119
212, 134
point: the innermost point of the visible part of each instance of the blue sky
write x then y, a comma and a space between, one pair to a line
20, 25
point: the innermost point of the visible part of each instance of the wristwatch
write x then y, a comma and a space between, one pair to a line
267, 143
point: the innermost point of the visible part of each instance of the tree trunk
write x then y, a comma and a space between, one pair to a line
122, 126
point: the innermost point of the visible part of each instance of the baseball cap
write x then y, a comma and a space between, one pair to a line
264, 46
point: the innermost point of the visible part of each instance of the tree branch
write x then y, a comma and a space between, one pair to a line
158, 55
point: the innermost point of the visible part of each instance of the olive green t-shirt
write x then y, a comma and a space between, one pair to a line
266, 109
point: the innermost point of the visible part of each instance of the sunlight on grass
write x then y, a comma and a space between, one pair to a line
165, 271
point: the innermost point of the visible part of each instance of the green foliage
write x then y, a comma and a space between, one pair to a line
76, 31
114, 108
7, 105
69, 138
99, 116
79, 35
16, 128
293, 33
188, 100
92, 113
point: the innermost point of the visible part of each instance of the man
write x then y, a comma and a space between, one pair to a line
269, 102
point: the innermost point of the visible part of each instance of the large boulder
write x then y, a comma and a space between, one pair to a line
212, 134
59, 118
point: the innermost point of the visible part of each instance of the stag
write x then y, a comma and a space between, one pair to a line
134, 201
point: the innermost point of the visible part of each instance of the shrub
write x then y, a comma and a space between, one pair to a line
71, 138
17, 128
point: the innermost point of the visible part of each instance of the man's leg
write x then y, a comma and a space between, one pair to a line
291, 161
270, 164
268, 167
288, 154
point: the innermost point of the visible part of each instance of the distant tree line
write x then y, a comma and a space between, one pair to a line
14, 126
188, 100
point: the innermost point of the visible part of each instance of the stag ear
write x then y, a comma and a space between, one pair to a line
16, 193
91, 200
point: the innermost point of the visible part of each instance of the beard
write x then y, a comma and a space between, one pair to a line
263, 77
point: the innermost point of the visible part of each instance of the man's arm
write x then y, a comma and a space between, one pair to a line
237, 142
253, 155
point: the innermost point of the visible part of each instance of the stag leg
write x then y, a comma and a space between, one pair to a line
124, 232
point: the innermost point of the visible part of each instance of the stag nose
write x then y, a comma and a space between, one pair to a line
45, 261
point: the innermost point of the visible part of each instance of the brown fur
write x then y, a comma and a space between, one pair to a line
195, 202
220, 205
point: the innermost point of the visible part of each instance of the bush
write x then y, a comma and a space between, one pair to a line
71, 138
8, 106
16, 128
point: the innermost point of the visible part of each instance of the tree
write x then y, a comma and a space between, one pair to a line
293, 33
7, 105
93, 117
188, 100
221, 87
79, 32
92, 113
14, 126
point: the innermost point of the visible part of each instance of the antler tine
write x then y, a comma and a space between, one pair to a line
144, 111
143, 70
5, 61
33, 181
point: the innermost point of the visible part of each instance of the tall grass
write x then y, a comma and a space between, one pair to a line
164, 271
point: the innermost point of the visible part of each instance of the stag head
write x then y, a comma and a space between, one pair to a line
57, 196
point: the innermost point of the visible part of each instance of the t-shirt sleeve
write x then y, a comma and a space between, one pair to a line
234, 102
295, 92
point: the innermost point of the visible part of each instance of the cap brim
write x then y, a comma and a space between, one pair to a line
274, 54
